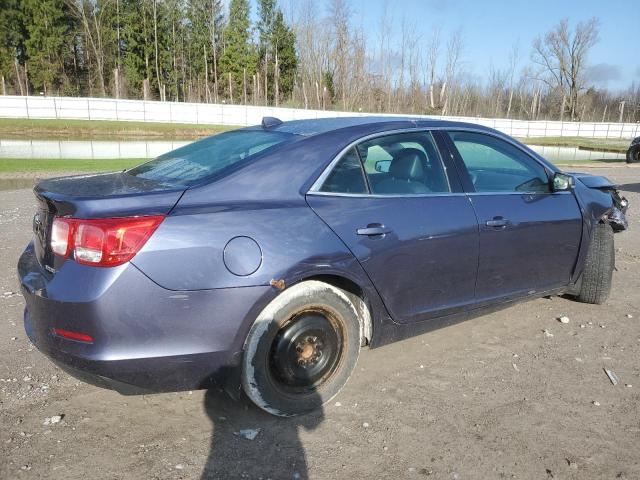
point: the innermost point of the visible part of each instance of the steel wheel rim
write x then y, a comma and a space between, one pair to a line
306, 351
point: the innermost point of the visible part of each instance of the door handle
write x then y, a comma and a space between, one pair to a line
497, 222
373, 229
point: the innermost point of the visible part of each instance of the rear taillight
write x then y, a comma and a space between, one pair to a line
103, 242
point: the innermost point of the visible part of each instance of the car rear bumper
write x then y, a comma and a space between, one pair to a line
145, 338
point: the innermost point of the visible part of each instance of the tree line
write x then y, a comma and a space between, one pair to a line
315, 57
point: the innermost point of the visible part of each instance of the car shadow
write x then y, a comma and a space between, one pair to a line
630, 187
275, 451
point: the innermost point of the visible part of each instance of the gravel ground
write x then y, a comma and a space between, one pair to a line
494, 397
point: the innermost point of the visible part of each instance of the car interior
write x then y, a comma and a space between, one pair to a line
404, 164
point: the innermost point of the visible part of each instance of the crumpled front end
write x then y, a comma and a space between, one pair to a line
614, 215
617, 216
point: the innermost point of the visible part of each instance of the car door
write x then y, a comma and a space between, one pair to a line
529, 235
400, 209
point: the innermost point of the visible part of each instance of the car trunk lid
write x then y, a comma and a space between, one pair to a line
96, 196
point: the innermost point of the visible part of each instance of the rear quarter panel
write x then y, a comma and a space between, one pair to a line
187, 250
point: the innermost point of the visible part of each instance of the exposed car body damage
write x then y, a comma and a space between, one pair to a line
616, 216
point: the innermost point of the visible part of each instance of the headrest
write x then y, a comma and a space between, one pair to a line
408, 164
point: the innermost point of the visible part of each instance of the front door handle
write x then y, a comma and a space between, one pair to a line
497, 222
373, 229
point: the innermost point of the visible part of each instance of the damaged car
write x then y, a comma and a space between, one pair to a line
263, 259
633, 153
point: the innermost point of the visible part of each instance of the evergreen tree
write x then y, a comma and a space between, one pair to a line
284, 40
161, 30
176, 26
205, 23
239, 56
173, 49
276, 43
108, 24
265, 26
49, 33
12, 35
137, 44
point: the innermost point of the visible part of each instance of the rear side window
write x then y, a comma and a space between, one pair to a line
347, 176
497, 166
404, 164
208, 157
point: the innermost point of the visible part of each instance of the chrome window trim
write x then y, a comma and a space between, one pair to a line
434, 194
391, 195
317, 185
475, 194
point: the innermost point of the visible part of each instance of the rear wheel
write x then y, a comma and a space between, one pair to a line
301, 350
633, 154
598, 269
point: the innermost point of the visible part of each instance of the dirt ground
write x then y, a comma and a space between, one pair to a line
490, 398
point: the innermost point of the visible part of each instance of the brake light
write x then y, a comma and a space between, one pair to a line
103, 242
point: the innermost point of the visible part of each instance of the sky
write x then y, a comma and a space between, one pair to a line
491, 28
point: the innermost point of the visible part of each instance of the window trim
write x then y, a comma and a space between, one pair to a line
317, 184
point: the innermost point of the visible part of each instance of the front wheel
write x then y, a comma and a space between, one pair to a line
301, 350
598, 268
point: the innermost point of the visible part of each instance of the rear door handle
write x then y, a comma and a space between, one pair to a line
373, 229
497, 222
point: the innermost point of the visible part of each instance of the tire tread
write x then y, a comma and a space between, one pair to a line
599, 265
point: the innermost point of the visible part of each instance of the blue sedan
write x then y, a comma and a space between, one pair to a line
264, 259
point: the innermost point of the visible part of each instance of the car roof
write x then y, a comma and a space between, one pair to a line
316, 126
287, 171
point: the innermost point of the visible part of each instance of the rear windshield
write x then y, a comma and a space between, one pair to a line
205, 158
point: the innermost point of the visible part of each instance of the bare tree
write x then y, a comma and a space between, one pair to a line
455, 46
339, 16
432, 59
384, 59
561, 56
155, 46
513, 62
91, 21
313, 44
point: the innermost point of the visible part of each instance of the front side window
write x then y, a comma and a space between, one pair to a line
497, 166
210, 156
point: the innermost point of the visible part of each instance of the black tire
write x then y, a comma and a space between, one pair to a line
633, 154
301, 349
599, 264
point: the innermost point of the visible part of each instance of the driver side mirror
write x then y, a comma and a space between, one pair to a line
562, 182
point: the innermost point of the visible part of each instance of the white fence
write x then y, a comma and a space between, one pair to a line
241, 115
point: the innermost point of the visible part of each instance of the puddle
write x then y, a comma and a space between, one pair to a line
87, 149
564, 154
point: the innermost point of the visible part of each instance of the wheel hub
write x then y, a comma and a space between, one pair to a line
305, 351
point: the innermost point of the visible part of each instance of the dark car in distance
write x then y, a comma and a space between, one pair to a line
263, 259
633, 152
